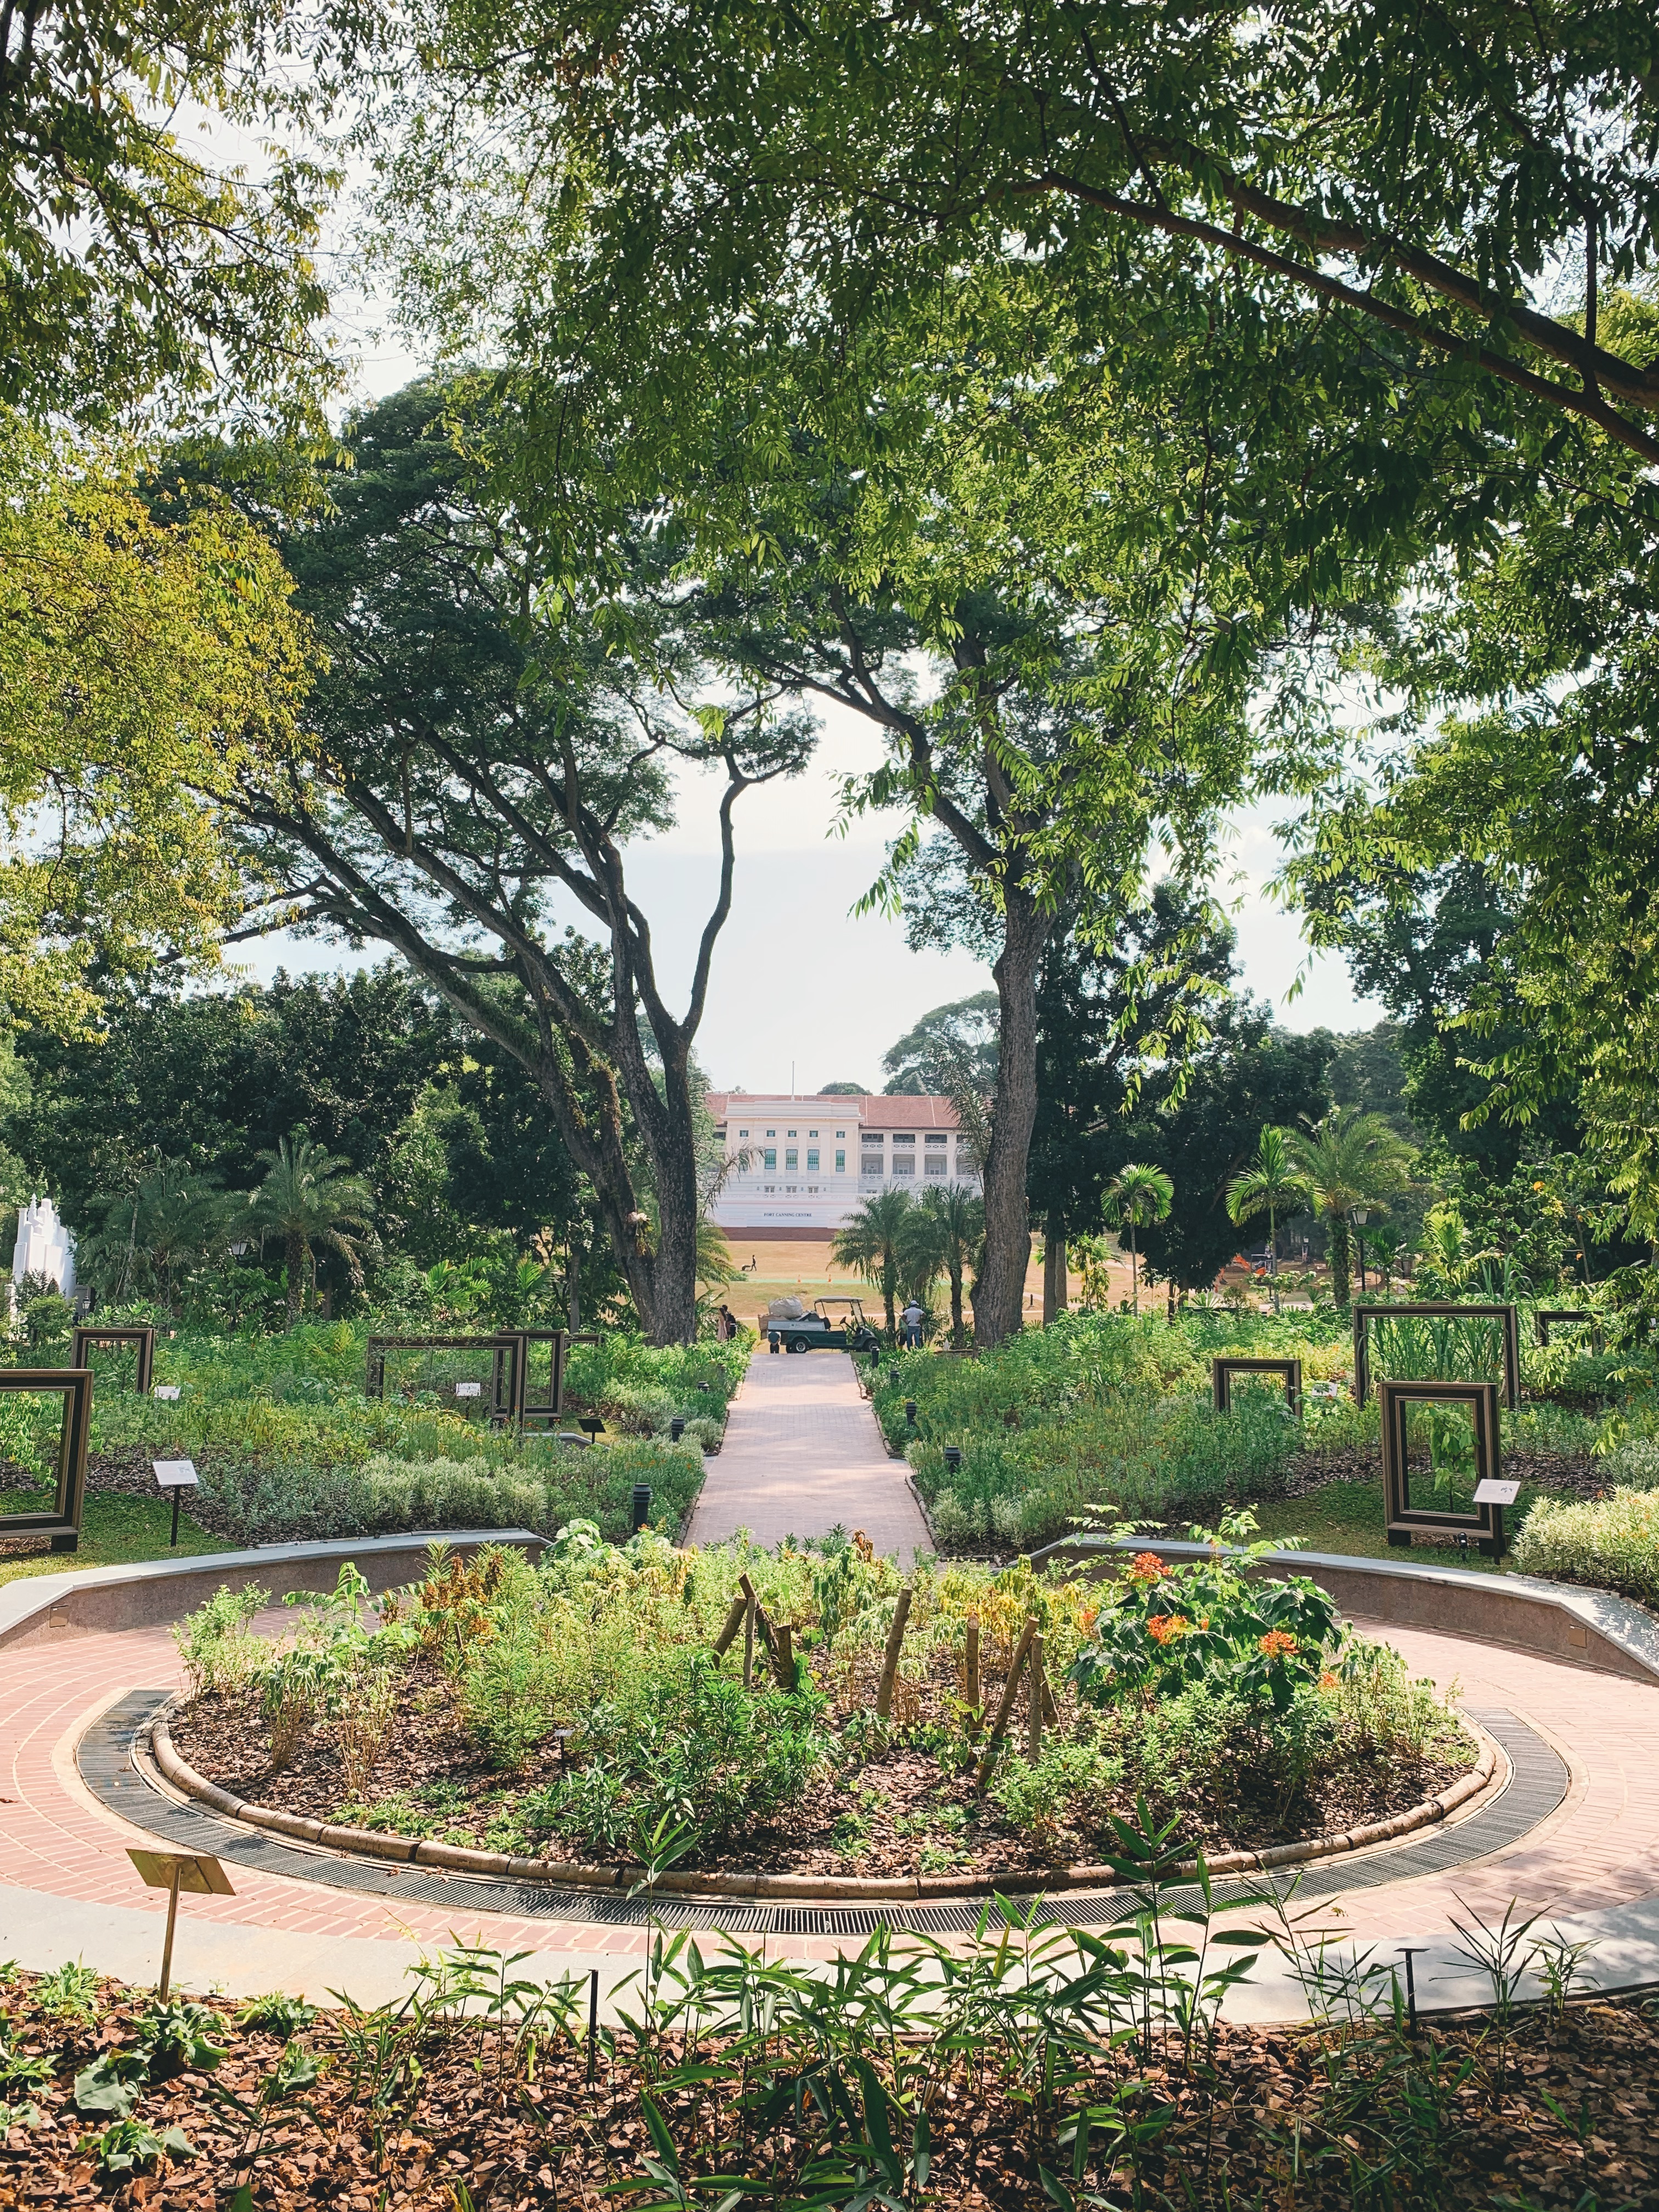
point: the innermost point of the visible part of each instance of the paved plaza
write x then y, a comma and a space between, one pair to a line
803, 1455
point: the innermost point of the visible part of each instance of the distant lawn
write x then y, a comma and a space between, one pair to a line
1347, 1516
115, 1531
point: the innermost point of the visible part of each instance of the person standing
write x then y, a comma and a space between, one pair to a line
911, 1321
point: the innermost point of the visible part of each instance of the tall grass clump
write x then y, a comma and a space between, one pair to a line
1611, 1542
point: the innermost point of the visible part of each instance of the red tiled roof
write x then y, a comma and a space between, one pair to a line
872, 1110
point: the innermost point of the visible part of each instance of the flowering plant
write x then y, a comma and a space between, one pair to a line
1174, 1623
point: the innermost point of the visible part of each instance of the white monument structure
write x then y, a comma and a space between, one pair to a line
45, 1249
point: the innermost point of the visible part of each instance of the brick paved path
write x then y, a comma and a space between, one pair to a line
802, 1455
66, 1887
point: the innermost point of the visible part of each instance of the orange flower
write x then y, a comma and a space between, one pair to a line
1087, 1619
1166, 1628
1147, 1568
1277, 1643
1328, 1681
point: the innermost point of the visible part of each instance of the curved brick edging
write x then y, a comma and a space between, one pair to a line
454, 1858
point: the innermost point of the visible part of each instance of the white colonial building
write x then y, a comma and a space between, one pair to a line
801, 1165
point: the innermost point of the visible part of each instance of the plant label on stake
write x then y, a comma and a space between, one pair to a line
177, 1475
169, 1390
1491, 1492
469, 1389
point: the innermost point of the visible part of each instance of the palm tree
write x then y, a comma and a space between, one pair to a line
172, 1220
310, 1197
942, 1235
1136, 1195
871, 1239
1352, 1164
1270, 1185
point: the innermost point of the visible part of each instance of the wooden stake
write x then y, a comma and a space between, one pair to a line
1037, 1690
172, 1922
733, 1623
890, 1657
749, 1642
1009, 1691
784, 1662
970, 1685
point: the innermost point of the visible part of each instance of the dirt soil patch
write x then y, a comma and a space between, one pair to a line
912, 1809
443, 2113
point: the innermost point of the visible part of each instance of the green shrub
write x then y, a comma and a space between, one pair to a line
1634, 1465
1611, 1542
213, 1644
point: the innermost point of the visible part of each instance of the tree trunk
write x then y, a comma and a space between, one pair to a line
956, 1305
1341, 1291
1054, 1283
1134, 1267
1000, 1293
294, 1252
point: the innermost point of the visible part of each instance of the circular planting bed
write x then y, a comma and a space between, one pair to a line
970, 1731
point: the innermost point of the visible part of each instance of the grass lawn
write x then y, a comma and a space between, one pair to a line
1347, 1516
114, 1531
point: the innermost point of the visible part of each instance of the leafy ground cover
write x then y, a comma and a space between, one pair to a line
1046, 2069
288, 1447
577, 1711
1114, 1410
115, 1531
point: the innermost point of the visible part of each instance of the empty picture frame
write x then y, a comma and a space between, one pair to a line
1546, 1315
1224, 1372
542, 1404
506, 1347
62, 1523
1406, 1514
89, 1338
1364, 1315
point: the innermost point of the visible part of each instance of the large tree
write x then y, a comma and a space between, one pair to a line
143, 655
484, 744
134, 269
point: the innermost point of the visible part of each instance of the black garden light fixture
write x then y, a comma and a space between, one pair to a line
677, 1428
910, 1413
952, 1457
642, 1506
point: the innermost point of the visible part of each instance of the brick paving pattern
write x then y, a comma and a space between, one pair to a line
803, 1455
1600, 1849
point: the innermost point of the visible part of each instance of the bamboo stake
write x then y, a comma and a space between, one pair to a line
733, 1623
970, 1686
1036, 1689
762, 1619
890, 1657
1009, 1690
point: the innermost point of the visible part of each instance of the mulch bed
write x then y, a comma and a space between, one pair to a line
1552, 2116
901, 1813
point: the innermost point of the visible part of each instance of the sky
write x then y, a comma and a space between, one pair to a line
803, 992
806, 992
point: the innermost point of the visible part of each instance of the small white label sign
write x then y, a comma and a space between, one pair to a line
469, 1389
165, 1390
175, 1473
1492, 1493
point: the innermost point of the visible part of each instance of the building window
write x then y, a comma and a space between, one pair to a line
791, 1133
811, 1133
904, 1163
791, 1158
812, 1163
840, 1132
771, 1161
905, 1140
771, 1133
936, 1164
743, 1132
841, 1163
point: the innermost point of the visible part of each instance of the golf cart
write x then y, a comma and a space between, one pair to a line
832, 1325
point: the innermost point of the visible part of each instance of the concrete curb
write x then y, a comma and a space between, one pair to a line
1558, 1621
405, 1850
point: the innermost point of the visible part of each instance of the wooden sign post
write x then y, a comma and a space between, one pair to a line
199, 1872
